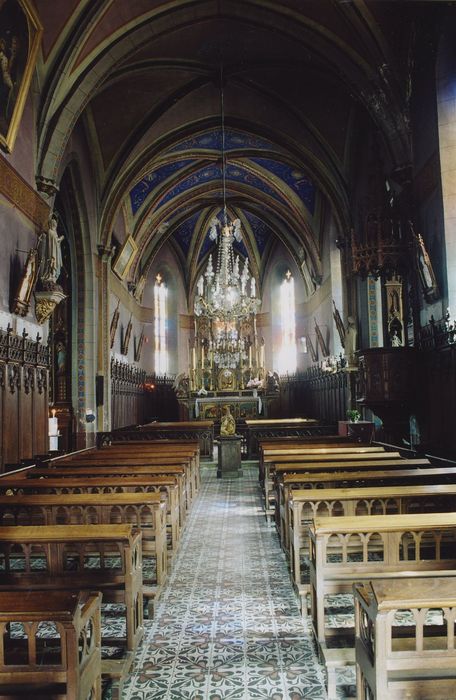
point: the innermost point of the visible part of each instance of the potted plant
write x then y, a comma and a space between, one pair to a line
353, 415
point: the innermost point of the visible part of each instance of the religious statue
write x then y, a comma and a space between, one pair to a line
351, 335
52, 254
228, 424
60, 351
396, 341
181, 384
21, 301
425, 269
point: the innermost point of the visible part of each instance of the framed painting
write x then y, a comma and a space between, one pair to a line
125, 257
20, 37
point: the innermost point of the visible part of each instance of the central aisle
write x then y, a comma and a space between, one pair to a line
227, 626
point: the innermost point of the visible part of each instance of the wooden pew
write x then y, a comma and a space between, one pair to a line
201, 430
107, 484
164, 464
305, 505
301, 476
347, 550
320, 461
134, 452
34, 666
299, 428
416, 660
90, 473
147, 512
78, 557
294, 449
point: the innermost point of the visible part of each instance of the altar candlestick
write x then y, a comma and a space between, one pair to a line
262, 355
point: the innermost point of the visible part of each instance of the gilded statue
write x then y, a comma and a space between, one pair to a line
228, 424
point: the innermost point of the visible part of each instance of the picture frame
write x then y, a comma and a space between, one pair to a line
320, 340
125, 257
20, 38
138, 344
312, 349
113, 326
126, 338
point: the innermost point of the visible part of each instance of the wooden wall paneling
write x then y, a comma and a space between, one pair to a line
41, 410
2, 411
11, 407
25, 407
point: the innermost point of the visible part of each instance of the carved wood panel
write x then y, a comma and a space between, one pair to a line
24, 382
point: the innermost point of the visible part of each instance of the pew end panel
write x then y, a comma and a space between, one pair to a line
50, 643
405, 639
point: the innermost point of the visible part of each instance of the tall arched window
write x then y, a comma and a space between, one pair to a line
160, 316
288, 353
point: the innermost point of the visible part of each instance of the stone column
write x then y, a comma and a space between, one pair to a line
103, 359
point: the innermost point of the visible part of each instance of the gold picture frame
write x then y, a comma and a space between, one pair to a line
125, 257
20, 38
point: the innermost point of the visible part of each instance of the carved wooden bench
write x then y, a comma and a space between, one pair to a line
291, 452
405, 639
305, 505
282, 428
147, 512
107, 472
166, 486
150, 452
345, 550
68, 664
348, 550
120, 465
78, 557
316, 462
300, 476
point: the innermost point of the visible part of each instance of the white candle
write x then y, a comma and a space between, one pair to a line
53, 426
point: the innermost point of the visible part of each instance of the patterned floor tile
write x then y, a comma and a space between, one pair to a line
227, 625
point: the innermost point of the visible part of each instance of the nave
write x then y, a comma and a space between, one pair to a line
227, 625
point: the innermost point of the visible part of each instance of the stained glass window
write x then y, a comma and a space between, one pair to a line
288, 350
160, 323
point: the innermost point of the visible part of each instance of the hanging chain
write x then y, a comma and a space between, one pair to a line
222, 110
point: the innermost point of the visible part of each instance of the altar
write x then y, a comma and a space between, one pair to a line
241, 407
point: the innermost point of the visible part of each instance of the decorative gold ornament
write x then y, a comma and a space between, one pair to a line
45, 303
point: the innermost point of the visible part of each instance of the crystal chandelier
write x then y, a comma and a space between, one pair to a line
226, 293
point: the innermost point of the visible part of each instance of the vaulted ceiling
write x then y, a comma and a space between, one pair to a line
143, 80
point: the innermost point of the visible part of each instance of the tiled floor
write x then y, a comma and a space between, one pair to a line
227, 626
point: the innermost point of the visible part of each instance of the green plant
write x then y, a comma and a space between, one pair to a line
353, 415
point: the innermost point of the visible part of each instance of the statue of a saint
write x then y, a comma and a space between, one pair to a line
52, 254
396, 342
61, 357
350, 340
228, 424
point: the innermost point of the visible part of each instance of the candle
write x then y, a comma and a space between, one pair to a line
193, 358
53, 426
